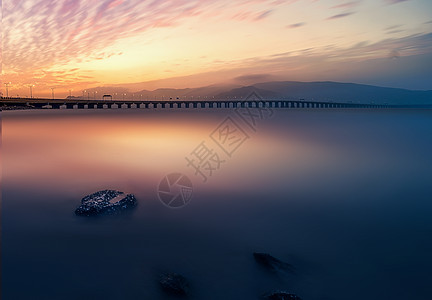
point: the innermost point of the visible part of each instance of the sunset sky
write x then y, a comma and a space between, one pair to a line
76, 44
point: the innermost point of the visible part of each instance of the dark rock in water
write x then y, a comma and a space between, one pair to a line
280, 295
105, 202
174, 284
271, 263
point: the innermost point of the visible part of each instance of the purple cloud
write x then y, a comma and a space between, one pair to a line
394, 1
347, 4
296, 25
338, 16
263, 15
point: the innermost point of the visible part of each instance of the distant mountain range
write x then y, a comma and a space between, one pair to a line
288, 90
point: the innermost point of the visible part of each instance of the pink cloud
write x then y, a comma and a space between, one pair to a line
38, 34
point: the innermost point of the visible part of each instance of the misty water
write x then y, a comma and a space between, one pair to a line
342, 195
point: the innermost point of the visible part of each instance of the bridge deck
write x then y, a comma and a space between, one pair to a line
269, 103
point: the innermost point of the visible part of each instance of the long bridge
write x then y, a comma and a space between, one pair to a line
11, 103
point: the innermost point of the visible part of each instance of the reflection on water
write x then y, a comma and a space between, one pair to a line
343, 195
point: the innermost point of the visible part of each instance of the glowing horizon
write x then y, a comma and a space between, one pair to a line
76, 45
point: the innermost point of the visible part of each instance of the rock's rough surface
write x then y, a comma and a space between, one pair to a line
174, 283
271, 263
105, 202
281, 295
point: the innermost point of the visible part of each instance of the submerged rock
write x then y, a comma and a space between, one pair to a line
271, 263
105, 202
280, 295
174, 283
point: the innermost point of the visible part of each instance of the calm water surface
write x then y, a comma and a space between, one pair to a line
343, 195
